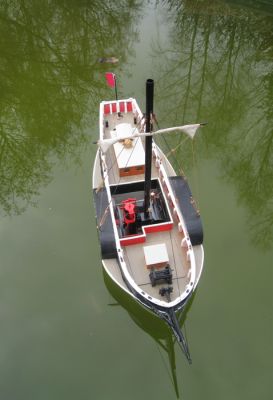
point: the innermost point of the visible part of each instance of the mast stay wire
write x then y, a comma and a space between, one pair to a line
102, 220
107, 208
99, 188
195, 176
171, 151
179, 291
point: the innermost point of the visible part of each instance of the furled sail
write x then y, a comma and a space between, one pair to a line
105, 144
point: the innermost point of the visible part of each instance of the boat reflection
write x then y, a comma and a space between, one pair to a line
150, 324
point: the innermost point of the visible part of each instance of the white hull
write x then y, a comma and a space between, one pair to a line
127, 268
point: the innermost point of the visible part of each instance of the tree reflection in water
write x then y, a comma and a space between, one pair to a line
218, 67
49, 83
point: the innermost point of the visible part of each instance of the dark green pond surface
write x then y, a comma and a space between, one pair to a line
66, 331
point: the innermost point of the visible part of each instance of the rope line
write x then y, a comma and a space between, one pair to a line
175, 264
107, 208
195, 175
170, 150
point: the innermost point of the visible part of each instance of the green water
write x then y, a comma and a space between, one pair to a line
66, 331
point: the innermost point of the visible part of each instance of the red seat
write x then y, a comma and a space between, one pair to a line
121, 106
106, 108
129, 106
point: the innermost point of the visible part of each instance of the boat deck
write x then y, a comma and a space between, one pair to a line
135, 261
112, 268
134, 257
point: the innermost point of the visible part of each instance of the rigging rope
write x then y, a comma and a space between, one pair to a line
195, 175
107, 208
175, 264
170, 150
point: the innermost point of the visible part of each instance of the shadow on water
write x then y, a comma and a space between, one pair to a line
152, 325
51, 84
219, 68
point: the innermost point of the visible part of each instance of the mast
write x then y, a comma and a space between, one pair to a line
148, 144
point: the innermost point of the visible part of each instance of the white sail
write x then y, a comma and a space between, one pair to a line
189, 130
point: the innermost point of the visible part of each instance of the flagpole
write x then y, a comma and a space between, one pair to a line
116, 89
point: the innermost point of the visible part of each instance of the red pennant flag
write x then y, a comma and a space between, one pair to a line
111, 79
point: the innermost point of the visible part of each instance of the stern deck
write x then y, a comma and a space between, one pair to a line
135, 261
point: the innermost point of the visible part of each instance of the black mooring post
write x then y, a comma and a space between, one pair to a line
148, 143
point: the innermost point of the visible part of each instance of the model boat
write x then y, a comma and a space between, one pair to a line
150, 231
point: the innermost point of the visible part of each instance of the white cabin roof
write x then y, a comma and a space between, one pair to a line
128, 157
